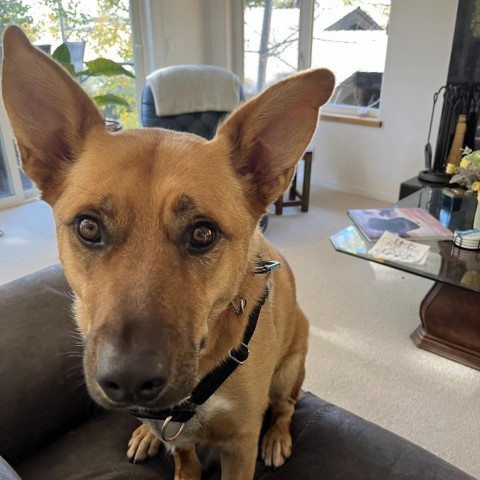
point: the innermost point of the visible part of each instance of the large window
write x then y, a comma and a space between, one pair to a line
90, 30
347, 36
271, 43
5, 182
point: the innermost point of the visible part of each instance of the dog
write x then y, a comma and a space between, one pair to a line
178, 298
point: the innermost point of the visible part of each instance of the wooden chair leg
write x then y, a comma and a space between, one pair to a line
279, 205
292, 193
294, 197
307, 173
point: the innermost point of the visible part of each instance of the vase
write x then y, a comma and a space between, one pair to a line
476, 218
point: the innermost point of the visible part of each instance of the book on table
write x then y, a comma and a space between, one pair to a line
414, 223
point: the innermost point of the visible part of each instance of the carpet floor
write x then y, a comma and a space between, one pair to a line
360, 355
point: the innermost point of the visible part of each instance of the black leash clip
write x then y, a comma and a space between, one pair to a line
266, 266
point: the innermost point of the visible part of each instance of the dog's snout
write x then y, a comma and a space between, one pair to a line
131, 377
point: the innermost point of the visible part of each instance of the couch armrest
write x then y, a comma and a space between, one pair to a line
41, 370
330, 443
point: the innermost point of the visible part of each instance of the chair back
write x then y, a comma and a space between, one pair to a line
195, 80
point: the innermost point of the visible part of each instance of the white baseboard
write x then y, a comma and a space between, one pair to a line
390, 197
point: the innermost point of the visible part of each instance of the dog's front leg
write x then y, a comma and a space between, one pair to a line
187, 465
143, 444
238, 458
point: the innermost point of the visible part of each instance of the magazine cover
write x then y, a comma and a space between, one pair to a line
415, 223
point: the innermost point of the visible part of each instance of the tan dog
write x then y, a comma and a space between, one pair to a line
157, 232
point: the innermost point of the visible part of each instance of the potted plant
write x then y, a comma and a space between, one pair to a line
95, 68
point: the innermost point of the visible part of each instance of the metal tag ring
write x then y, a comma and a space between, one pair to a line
163, 431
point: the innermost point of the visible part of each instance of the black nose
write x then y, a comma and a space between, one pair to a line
131, 376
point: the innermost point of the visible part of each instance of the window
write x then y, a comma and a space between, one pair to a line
90, 30
347, 36
350, 38
271, 43
5, 182
15, 186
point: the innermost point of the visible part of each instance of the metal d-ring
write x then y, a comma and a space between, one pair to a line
163, 431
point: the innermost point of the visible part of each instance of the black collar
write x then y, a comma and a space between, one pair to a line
184, 411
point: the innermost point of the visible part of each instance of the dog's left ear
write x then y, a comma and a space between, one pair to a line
50, 113
269, 134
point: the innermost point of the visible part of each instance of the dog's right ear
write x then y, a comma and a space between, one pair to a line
49, 112
268, 134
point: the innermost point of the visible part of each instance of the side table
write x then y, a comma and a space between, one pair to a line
450, 312
450, 315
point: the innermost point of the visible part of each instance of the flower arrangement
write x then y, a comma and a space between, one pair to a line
467, 173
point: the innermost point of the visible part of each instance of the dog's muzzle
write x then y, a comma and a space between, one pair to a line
131, 376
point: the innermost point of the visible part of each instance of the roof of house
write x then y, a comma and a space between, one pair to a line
355, 20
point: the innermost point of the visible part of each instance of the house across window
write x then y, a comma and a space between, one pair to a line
349, 37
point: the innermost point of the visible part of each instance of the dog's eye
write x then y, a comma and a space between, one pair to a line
88, 229
203, 237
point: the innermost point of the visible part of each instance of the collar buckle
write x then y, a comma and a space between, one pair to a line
266, 266
240, 354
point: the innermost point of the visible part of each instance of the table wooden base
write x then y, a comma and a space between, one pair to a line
450, 324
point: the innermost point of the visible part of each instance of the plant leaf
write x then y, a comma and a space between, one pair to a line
110, 99
104, 66
62, 54
70, 69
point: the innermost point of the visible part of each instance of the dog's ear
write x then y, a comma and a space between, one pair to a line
269, 133
49, 112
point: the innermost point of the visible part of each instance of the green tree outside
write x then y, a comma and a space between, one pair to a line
103, 25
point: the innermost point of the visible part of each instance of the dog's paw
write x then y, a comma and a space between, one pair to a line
276, 446
142, 444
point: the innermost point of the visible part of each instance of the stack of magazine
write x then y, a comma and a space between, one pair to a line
414, 223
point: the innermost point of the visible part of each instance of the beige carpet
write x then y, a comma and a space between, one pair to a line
361, 357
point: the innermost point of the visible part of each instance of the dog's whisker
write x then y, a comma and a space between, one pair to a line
68, 353
73, 375
80, 385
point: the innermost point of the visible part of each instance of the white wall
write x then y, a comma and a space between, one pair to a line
174, 32
181, 29
374, 161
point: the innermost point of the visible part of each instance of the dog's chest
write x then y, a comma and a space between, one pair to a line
202, 427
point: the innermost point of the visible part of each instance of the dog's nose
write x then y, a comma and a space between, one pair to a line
132, 377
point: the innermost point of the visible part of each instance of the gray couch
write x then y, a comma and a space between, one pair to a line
50, 429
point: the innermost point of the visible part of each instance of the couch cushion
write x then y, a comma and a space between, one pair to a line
40, 367
96, 449
328, 444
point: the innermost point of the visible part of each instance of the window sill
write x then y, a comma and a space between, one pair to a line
365, 121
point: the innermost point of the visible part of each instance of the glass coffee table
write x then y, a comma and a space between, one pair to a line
450, 312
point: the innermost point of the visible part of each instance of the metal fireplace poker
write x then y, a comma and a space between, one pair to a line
458, 125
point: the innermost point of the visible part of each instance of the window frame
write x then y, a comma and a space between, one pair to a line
12, 160
332, 111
